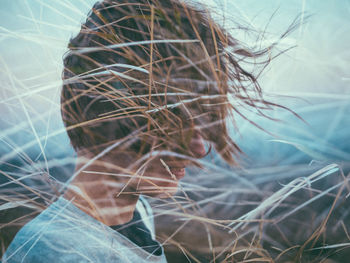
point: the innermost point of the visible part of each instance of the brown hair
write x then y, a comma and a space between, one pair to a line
158, 67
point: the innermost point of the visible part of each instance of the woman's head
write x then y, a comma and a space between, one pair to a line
151, 74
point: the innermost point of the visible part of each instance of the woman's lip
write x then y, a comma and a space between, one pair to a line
179, 172
177, 164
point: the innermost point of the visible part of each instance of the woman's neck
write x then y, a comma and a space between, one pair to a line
101, 195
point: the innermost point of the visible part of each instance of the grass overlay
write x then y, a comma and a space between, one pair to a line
229, 207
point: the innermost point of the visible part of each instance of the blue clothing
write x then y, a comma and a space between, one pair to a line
64, 233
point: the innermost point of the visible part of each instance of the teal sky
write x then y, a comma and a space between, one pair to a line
34, 35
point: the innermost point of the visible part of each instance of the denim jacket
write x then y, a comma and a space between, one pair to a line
64, 233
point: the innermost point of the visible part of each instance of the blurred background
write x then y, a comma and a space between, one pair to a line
312, 78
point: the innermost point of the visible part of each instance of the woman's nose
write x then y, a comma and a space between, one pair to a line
197, 145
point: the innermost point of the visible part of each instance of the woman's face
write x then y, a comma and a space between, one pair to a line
160, 175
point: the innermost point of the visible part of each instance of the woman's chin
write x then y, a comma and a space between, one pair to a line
162, 191
167, 193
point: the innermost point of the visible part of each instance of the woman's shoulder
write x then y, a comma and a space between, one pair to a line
64, 233
59, 231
